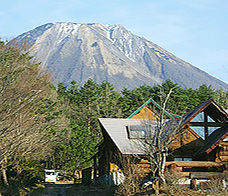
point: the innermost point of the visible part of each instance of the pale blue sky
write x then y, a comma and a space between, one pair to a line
193, 30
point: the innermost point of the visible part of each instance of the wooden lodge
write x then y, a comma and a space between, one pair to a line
201, 145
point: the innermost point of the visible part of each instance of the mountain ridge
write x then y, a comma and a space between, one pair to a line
79, 51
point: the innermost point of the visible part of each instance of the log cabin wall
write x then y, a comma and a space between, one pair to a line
113, 163
144, 168
140, 169
151, 110
113, 167
222, 152
108, 161
186, 144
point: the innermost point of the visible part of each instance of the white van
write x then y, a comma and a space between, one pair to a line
50, 176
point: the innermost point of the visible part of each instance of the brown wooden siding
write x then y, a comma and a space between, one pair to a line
186, 144
145, 113
222, 152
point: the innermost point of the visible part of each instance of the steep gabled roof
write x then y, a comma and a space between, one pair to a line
116, 130
151, 101
220, 117
212, 109
214, 140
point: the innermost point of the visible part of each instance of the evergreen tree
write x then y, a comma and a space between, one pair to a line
108, 106
221, 98
74, 153
205, 92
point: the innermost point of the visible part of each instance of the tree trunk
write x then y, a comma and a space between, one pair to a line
157, 188
4, 175
162, 169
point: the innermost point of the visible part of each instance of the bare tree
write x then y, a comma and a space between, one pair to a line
132, 173
156, 145
25, 127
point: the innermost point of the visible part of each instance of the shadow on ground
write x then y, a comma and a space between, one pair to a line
60, 189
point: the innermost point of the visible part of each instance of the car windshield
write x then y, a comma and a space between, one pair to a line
50, 173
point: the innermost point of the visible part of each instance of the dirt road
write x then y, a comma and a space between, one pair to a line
55, 189
74, 190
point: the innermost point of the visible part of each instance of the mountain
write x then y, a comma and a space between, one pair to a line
75, 51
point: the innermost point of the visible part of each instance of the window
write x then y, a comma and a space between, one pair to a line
183, 159
200, 130
50, 173
139, 131
226, 139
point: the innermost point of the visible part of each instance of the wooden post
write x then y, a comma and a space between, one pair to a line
86, 176
206, 126
194, 184
95, 168
107, 166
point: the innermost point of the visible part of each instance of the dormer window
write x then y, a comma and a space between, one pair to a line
139, 131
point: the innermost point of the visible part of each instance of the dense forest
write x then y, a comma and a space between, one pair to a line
47, 126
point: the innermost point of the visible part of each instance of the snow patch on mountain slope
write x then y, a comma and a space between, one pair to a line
129, 44
63, 30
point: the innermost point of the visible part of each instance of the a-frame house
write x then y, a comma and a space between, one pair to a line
203, 135
118, 138
210, 122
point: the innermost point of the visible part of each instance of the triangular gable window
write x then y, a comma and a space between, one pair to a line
202, 129
198, 118
199, 131
211, 129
